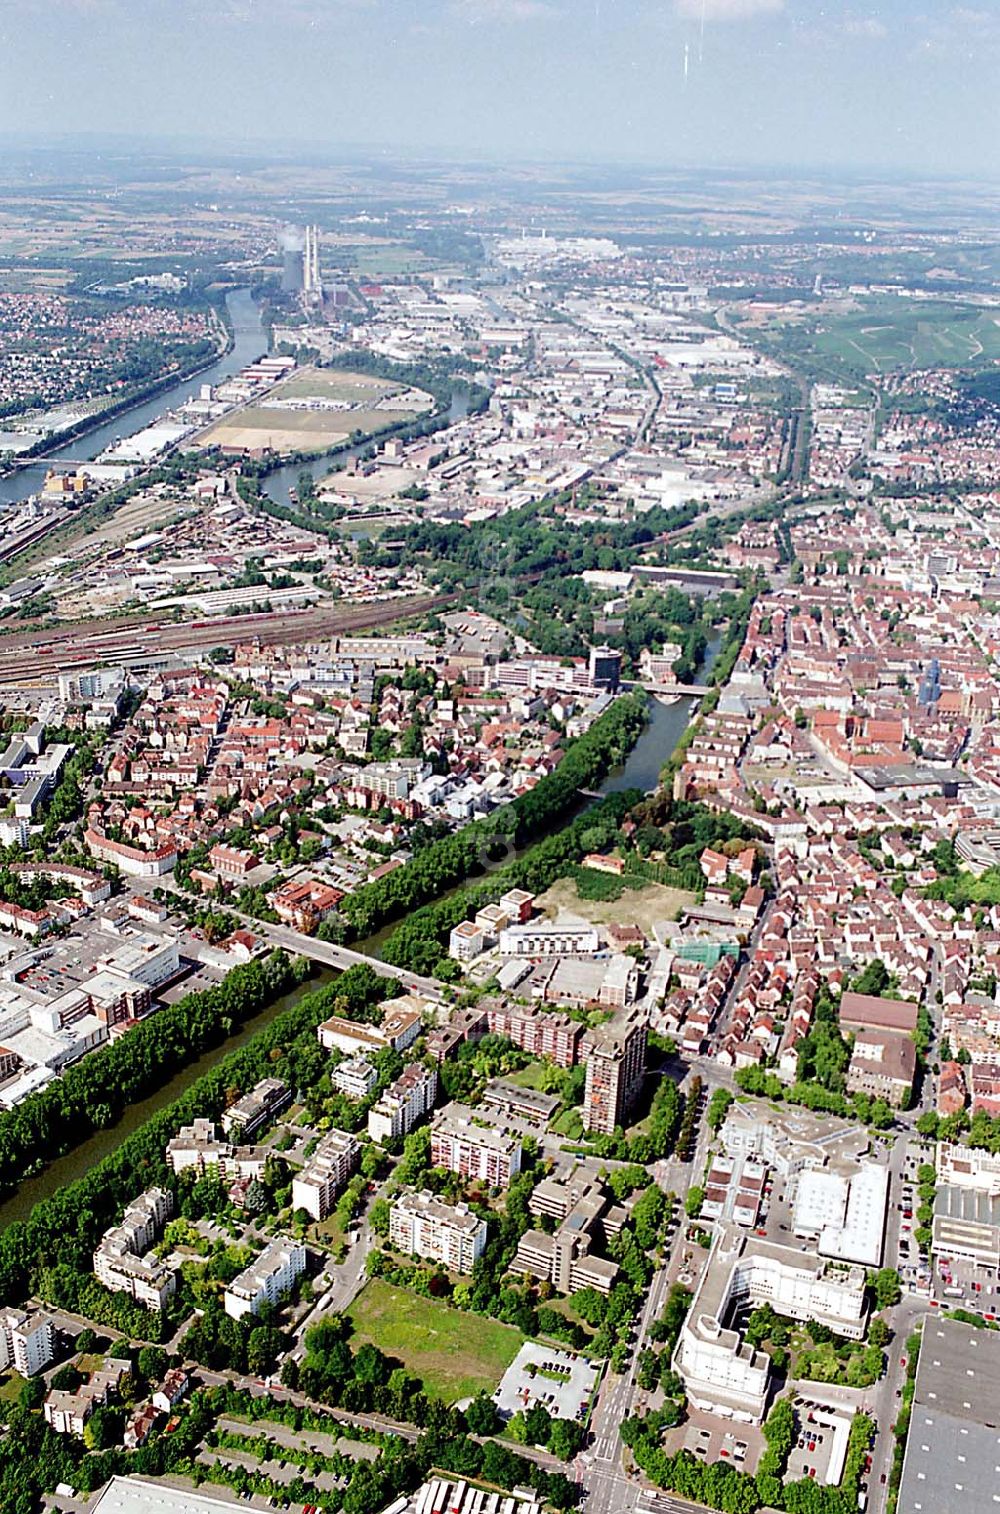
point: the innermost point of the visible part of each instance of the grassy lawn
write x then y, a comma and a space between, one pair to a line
532, 1076
569, 1124
10, 1387
455, 1354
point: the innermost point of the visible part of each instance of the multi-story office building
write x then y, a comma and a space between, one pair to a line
426, 1226
328, 1170
564, 1258
401, 1106
722, 1373
120, 1261
541, 938
27, 1341
279, 1265
463, 1145
615, 1057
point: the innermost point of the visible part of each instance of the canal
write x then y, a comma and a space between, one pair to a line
279, 483
80, 1160
641, 770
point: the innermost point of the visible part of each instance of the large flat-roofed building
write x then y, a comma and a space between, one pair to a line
722, 1373
953, 1445
279, 1265
541, 938
426, 1226
615, 1057
564, 1258
136, 1495
968, 1167
327, 1171
512, 1102
262, 1103
790, 1139
844, 1212
463, 1144
966, 1226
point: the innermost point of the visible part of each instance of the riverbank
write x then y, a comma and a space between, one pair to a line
87, 1154
244, 342
51, 446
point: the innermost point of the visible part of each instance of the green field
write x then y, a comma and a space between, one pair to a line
336, 384
454, 1354
532, 1076
889, 335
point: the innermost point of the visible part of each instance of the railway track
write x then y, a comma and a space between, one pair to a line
27, 656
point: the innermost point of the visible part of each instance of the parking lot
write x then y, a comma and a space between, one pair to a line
711, 1440
820, 1442
561, 1381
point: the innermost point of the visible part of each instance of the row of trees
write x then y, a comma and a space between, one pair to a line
419, 943
94, 1093
49, 1253
365, 1380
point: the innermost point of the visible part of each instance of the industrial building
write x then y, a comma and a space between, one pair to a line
953, 1445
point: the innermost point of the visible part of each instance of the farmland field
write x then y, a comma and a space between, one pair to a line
455, 1354
889, 336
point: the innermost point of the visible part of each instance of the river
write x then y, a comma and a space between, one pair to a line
249, 342
641, 770
80, 1160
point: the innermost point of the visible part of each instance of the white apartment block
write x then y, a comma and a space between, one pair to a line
401, 1106
724, 1375
197, 1147
279, 1265
121, 1262
461, 1144
466, 941
328, 1170
354, 1078
423, 1225
27, 1341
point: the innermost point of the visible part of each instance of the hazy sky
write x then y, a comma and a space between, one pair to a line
902, 83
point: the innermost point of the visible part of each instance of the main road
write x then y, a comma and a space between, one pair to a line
342, 957
610, 1490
